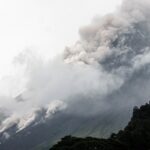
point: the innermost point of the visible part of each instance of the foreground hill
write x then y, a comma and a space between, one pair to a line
135, 136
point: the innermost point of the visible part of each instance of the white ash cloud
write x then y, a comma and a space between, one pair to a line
111, 52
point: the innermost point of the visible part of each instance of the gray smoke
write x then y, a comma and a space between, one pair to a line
107, 70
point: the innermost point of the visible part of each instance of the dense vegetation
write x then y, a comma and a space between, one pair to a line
135, 136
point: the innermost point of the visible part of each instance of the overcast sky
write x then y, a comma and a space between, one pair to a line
44, 26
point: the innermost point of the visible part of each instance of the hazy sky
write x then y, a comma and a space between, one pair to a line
45, 26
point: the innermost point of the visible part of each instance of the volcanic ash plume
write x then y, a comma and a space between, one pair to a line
107, 70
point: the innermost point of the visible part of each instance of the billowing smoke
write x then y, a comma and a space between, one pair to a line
107, 70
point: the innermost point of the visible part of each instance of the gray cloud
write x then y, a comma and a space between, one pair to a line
107, 70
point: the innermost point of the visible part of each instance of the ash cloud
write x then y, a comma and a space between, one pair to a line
107, 70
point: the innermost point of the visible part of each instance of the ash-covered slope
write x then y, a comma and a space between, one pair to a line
43, 133
135, 136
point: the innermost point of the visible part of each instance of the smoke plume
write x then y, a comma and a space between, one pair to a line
107, 70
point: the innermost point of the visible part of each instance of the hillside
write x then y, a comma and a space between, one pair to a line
135, 136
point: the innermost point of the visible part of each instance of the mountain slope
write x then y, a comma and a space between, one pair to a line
135, 136
47, 133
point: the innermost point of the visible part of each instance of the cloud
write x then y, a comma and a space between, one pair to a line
99, 72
